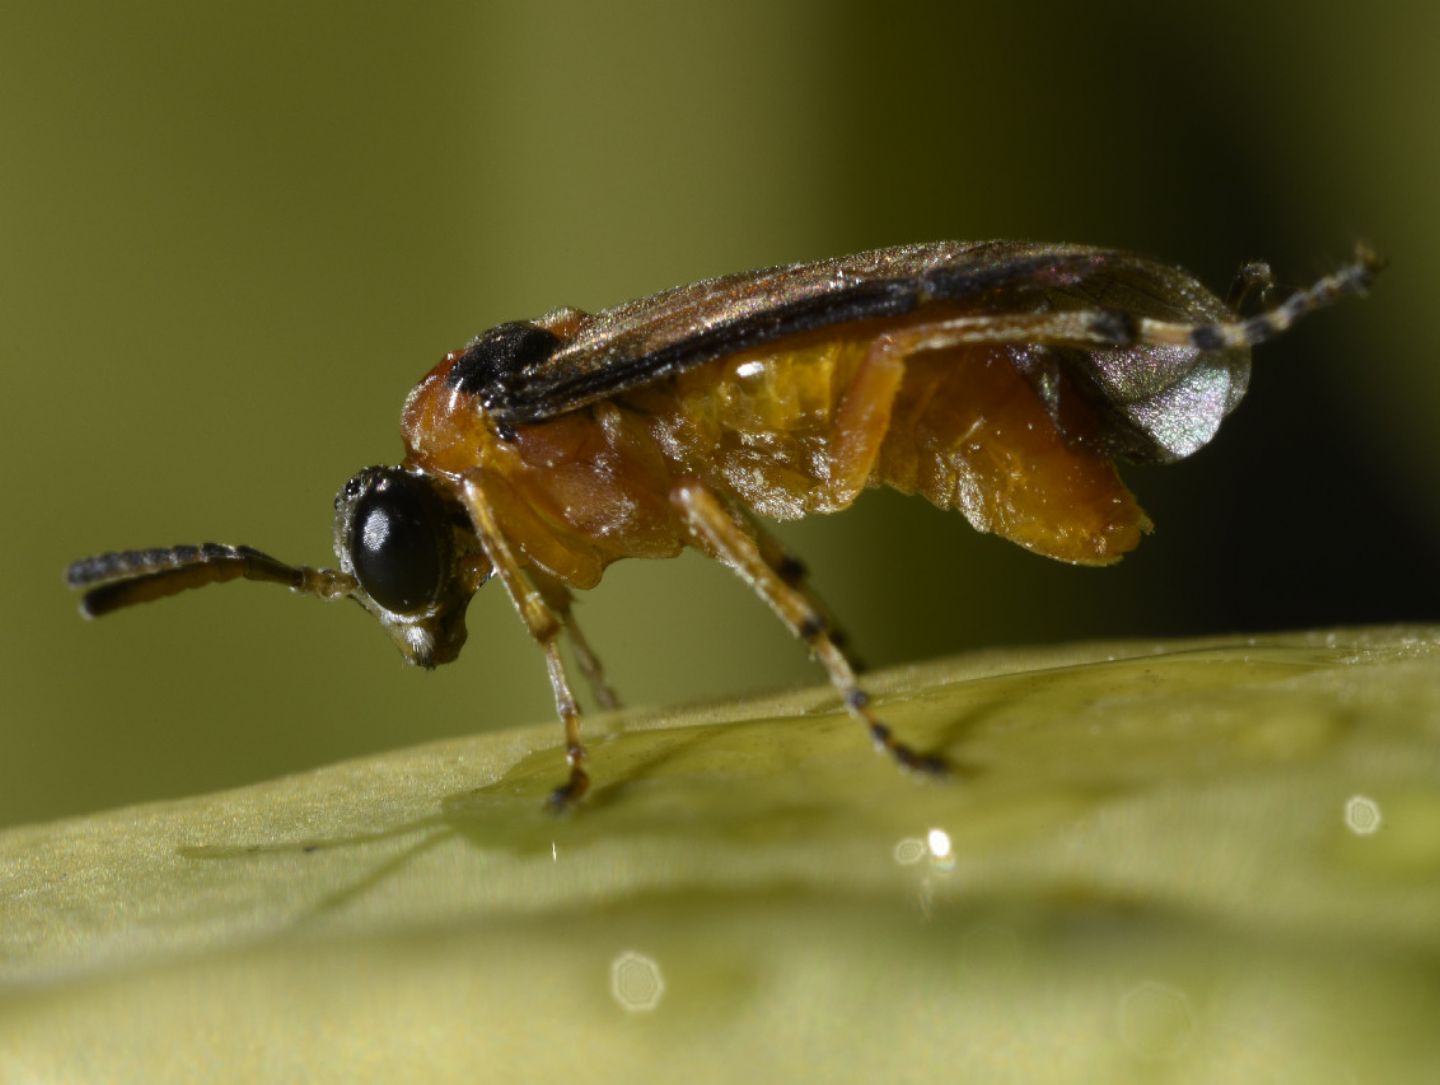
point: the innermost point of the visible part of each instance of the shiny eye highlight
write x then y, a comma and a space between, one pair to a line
399, 540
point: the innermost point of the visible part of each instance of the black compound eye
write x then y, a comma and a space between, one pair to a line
400, 539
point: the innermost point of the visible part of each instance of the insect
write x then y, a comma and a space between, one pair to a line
1000, 379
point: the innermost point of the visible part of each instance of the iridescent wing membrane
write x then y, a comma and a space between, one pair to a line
651, 338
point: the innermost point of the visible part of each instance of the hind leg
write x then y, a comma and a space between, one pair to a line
795, 574
715, 531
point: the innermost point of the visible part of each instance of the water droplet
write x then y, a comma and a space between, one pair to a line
636, 982
1155, 1020
909, 850
1362, 815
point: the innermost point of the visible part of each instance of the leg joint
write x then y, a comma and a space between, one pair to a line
791, 570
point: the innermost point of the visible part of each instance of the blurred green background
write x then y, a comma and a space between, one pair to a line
231, 239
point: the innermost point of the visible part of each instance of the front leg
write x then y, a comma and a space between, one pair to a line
715, 531
545, 625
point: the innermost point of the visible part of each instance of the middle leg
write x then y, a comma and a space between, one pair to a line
557, 596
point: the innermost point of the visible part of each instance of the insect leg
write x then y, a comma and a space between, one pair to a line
545, 625
1254, 281
716, 531
861, 422
563, 603
794, 573
863, 418
1353, 278
1119, 328
590, 667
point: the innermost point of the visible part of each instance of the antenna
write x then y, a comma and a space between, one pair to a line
127, 577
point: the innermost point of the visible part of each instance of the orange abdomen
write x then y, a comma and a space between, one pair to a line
965, 429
